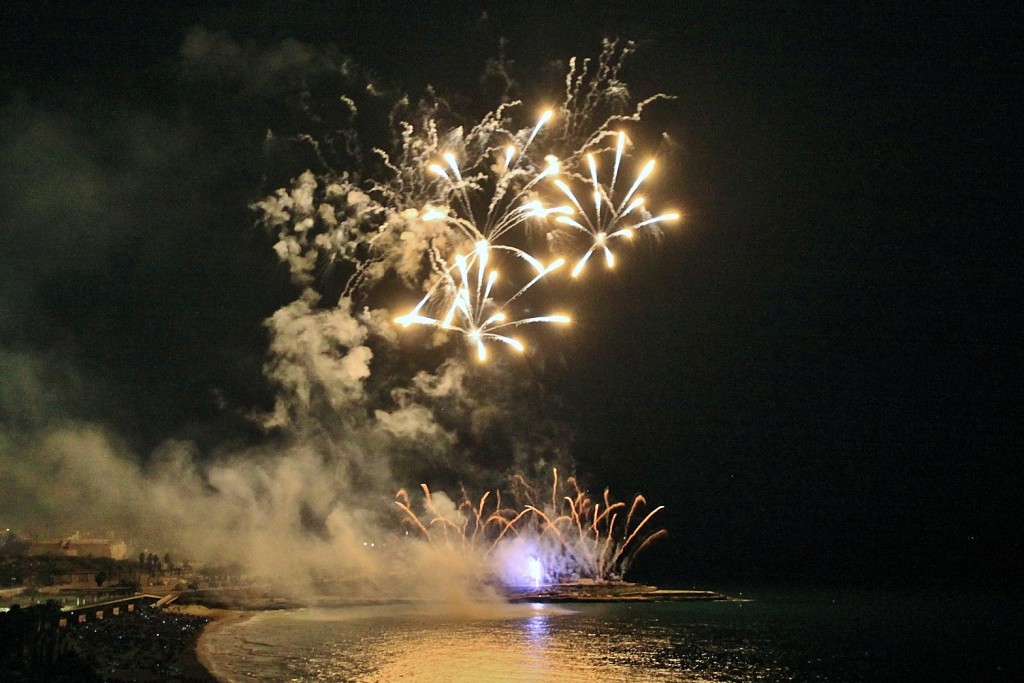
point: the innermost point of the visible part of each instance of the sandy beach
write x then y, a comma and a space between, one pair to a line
217, 618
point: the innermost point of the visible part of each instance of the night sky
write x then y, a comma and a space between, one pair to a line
815, 372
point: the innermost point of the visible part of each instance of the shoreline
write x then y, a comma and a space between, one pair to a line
217, 618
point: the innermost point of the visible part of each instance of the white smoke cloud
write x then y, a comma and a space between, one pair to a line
252, 507
413, 422
319, 351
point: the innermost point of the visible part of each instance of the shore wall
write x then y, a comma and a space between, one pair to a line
106, 610
130, 639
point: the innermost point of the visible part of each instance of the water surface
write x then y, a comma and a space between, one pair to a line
782, 636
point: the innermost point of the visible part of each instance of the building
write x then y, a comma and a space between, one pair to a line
78, 546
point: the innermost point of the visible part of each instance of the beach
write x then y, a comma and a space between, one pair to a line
217, 618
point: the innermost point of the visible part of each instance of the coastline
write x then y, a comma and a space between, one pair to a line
240, 610
216, 618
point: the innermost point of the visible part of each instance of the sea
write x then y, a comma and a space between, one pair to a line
764, 635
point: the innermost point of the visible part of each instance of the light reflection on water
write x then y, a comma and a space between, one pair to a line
868, 639
514, 643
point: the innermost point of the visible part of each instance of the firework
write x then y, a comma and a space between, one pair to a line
567, 538
454, 202
466, 288
471, 307
511, 180
609, 218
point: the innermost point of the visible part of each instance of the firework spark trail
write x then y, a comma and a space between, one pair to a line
607, 221
586, 535
508, 207
471, 308
450, 191
616, 220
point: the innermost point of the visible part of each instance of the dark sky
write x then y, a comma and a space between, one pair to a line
815, 373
